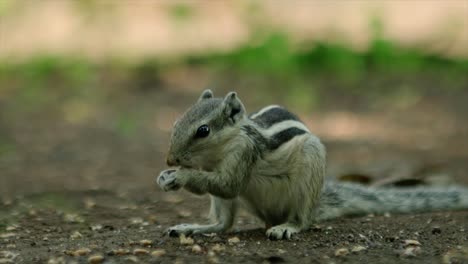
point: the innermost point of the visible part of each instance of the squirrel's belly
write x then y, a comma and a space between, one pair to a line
282, 184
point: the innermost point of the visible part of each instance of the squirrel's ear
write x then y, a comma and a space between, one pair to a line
206, 94
233, 107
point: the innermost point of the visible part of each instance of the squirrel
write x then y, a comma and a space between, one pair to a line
269, 163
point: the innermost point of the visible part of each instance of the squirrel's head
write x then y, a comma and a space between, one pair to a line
199, 135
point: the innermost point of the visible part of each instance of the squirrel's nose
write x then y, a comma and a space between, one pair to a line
171, 161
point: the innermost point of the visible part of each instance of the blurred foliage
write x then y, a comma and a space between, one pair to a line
180, 11
271, 63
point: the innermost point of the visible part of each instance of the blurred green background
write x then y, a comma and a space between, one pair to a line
89, 89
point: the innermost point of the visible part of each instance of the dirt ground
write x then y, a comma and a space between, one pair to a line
78, 183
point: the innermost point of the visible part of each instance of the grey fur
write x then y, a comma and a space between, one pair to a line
346, 199
271, 164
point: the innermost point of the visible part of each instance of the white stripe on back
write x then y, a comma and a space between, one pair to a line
278, 127
263, 110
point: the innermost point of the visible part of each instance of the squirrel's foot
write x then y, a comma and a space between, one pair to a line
284, 231
167, 180
182, 229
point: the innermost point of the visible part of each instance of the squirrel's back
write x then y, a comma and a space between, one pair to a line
274, 126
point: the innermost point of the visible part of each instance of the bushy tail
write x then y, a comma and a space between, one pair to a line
345, 199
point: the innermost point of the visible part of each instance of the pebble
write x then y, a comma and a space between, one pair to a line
140, 251
96, 259
158, 253
73, 218
281, 251
53, 260
136, 220
7, 235
213, 260
341, 252
81, 252
153, 219
411, 251
218, 248
132, 259
11, 228
89, 203
76, 235
185, 240
184, 213
172, 198
233, 240
458, 255
358, 248
96, 227
411, 242
146, 242
196, 249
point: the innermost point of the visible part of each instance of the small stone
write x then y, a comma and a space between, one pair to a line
233, 240
358, 248
411, 251
53, 260
458, 255
140, 251
158, 253
11, 228
7, 235
153, 219
132, 259
281, 251
11, 246
136, 221
96, 227
76, 235
196, 249
436, 230
172, 198
184, 213
185, 240
218, 248
146, 242
96, 259
411, 242
213, 260
73, 218
89, 203
81, 252
341, 252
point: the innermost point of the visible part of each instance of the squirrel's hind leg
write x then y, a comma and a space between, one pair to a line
222, 213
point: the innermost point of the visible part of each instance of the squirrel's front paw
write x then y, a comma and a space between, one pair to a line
167, 180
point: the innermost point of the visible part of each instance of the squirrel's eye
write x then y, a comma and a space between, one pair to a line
203, 131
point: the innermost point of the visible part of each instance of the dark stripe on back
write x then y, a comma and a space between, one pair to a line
284, 136
273, 116
262, 144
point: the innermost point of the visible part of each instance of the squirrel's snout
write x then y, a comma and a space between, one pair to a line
171, 161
